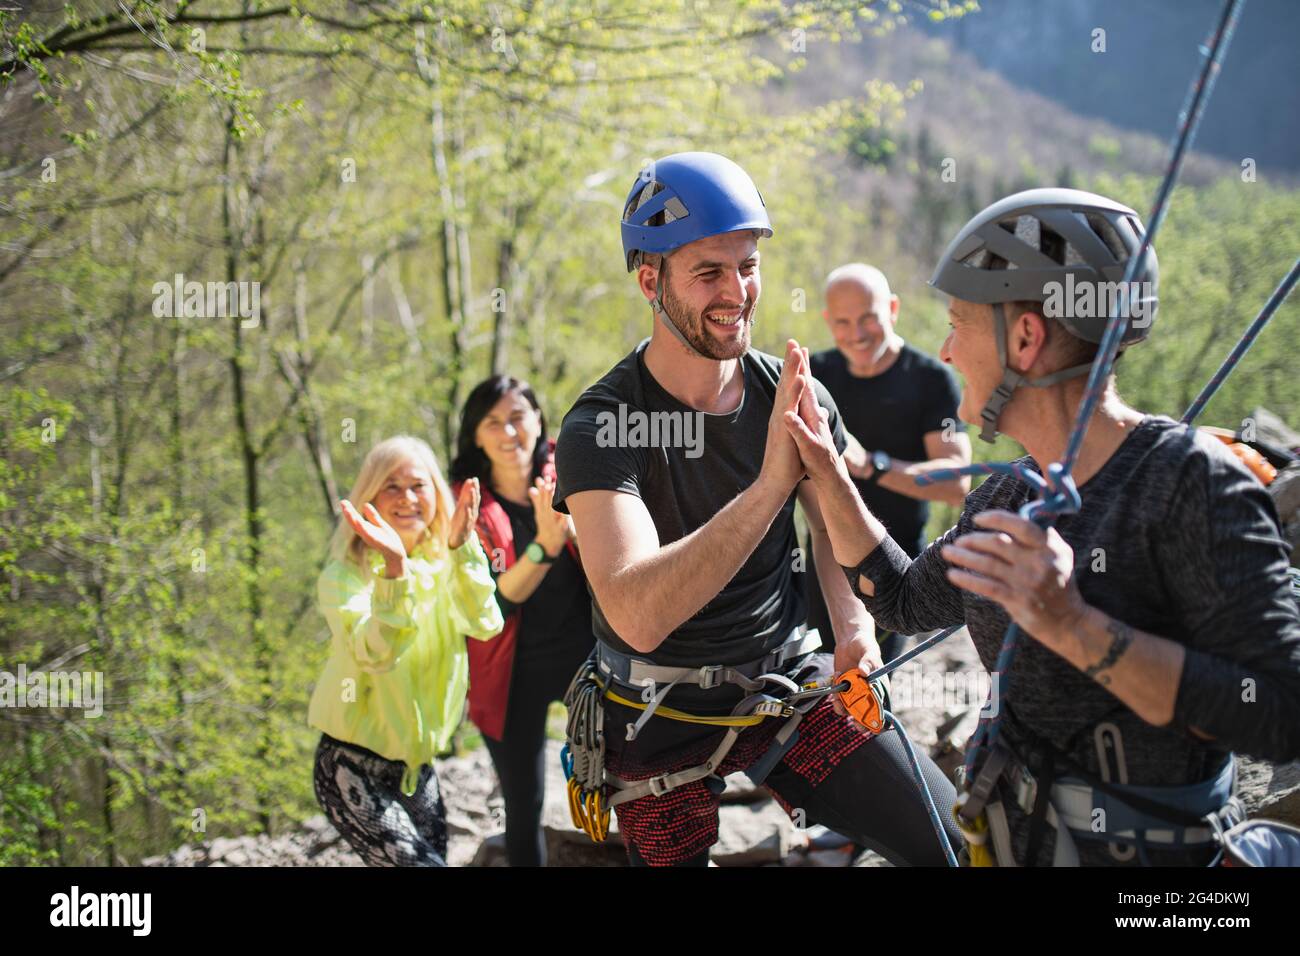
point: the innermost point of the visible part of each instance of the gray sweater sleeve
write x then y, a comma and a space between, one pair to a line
910, 596
1224, 560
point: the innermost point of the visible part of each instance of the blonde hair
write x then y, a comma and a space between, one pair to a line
380, 462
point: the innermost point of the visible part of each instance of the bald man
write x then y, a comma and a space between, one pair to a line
899, 408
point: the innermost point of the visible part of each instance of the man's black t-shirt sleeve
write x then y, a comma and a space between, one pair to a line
584, 462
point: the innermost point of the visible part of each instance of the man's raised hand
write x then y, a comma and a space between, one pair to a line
781, 462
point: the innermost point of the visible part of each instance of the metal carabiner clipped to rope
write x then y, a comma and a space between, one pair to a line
860, 695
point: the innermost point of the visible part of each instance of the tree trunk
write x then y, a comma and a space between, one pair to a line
249, 455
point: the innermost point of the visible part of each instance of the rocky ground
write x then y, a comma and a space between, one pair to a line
753, 829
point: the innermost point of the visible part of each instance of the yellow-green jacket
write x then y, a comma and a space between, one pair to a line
398, 670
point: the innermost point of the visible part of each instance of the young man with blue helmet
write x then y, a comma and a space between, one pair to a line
691, 551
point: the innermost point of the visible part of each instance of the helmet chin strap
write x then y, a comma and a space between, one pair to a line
1012, 380
658, 306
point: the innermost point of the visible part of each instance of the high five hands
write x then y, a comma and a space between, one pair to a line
805, 420
811, 446
1009, 560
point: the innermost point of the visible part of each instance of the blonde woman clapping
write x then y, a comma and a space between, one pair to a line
406, 581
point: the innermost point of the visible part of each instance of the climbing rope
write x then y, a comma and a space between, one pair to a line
930, 807
1244, 343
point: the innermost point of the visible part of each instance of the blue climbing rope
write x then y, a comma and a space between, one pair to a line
1244, 343
930, 808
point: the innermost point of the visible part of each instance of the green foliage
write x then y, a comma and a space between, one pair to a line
1222, 250
168, 531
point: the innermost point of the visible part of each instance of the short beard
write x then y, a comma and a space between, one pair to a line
694, 330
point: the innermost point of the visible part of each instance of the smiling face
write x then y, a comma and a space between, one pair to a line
861, 322
508, 433
971, 350
408, 501
711, 290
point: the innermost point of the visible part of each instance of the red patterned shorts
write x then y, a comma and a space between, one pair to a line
683, 823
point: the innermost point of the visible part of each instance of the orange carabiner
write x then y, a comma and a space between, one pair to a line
862, 701
575, 805
592, 807
599, 817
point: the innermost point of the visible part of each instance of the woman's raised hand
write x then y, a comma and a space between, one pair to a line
465, 515
553, 528
808, 423
374, 531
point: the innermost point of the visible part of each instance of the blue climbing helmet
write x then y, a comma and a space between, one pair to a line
688, 196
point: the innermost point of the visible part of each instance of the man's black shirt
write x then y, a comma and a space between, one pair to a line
759, 607
892, 412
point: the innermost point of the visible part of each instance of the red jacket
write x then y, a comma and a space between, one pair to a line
491, 662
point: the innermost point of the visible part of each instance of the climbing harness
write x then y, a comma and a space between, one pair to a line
772, 694
608, 671
1080, 806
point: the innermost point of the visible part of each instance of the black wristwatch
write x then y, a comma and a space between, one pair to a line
537, 554
880, 463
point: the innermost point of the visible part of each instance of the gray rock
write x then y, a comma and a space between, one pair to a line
1272, 430
1285, 491
751, 834
491, 852
462, 824
740, 789
220, 847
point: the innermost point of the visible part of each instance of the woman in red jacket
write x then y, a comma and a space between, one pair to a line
540, 587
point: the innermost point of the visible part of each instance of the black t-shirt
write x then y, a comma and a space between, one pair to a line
683, 487
556, 618
892, 412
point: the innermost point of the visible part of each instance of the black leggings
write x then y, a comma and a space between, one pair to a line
361, 793
519, 756
872, 798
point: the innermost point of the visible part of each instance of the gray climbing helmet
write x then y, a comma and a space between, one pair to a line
1065, 248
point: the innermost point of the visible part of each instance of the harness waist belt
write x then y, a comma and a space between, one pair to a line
1076, 803
638, 672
